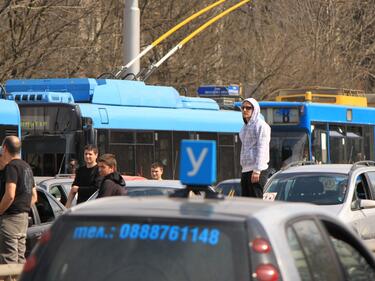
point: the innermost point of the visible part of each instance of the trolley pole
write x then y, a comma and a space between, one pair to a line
131, 34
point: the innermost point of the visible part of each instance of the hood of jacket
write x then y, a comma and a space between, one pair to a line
115, 177
256, 110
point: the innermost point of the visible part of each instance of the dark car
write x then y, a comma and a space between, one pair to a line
231, 239
231, 187
41, 216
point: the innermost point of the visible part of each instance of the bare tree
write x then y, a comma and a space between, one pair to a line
265, 46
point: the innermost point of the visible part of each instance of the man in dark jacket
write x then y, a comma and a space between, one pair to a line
112, 184
86, 181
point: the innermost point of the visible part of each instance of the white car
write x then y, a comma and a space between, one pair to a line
346, 190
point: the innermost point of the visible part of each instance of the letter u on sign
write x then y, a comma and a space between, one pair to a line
198, 162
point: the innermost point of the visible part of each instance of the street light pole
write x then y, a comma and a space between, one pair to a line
131, 38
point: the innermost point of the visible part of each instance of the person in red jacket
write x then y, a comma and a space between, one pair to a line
113, 183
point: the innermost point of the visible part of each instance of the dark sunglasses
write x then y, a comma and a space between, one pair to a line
247, 107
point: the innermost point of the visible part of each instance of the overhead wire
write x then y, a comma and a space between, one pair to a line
145, 73
123, 69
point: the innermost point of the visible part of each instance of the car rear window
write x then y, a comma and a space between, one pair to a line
147, 249
317, 188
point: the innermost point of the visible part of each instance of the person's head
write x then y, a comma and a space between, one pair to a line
157, 171
73, 165
107, 164
250, 109
90, 155
11, 147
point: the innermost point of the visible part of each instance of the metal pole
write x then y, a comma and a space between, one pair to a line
131, 34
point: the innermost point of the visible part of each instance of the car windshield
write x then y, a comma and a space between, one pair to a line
147, 249
317, 188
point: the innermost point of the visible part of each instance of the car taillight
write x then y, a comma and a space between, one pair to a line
266, 272
263, 260
30, 264
261, 246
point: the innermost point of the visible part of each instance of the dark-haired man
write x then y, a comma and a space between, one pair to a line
17, 195
87, 179
112, 182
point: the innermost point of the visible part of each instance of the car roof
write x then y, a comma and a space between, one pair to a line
50, 181
319, 168
237, 180
236, 208
155, 183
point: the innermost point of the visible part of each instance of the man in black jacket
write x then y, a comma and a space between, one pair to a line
112, 184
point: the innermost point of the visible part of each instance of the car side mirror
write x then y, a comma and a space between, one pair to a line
366, 204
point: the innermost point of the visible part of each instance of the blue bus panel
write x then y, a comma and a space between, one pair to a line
324, 133
9, 119
139, 123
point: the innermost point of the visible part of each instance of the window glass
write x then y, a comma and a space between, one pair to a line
225, 163
207, 136
163, 152
147, 249
177, 138
55, 207
371, 176
354, 144
317, 188
145, 138
122, 137
37, 119
102, 141
229, 188
360, 188
44, 208
368, 133
337, 144
319, 143
55, 191
226, 139
125, 156
316, 251
287, 147
355, 266
144, 159
298, 255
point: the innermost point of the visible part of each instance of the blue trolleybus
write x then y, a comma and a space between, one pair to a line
9, 119
139, 123
324, 133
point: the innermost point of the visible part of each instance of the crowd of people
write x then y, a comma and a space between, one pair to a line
18, 191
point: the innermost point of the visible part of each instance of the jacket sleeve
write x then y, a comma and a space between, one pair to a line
106, 188
263, 147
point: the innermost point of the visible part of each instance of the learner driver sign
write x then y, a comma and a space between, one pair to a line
198, 162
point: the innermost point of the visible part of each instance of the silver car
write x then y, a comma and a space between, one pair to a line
347, 191
58, 186
149, 188
229, 239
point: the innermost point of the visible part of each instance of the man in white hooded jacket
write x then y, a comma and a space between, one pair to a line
255, 136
